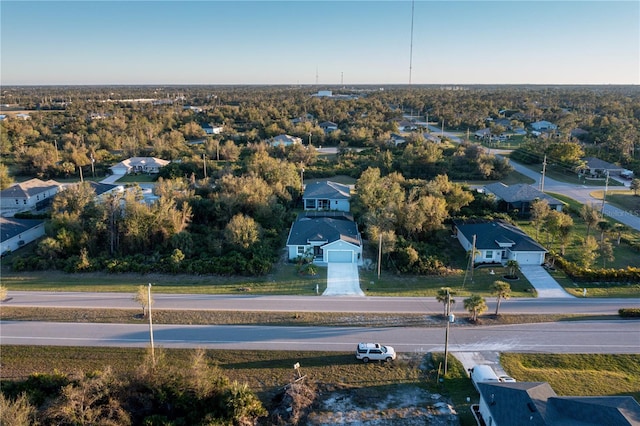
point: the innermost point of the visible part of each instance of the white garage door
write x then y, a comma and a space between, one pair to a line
340, 256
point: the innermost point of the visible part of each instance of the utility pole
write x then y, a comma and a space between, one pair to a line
446, 335
471, 261
204, 164
604, 196
153, 354
379, 253
544, 171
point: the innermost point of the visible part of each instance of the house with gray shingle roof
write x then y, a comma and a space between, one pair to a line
139, 165
15, 233
327, 195
28, 195
333, 238
596, 167
498, 242
520, 196
536, 403
328, 126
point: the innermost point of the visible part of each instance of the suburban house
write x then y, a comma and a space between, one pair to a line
597, 167
520, 197
536, 403
326, 195
139, 165
328, 126
15, 233
303, 119
407, 126
327, 238
498, 242
543, 125
285, 140
210, 129
28, 195
483, 133
397, 139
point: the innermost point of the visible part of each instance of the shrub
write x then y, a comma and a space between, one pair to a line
629, 312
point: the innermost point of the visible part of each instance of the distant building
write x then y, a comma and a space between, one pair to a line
15, 233
543, 125
139, 165
285, 140
28, 195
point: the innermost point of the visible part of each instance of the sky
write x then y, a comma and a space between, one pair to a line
319, 42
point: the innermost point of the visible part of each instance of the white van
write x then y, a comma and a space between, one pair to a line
482, 373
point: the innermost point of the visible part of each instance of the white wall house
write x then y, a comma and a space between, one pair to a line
139, 165
498, 242
325, 239
28, 195
285, 140
327, 195
16, 233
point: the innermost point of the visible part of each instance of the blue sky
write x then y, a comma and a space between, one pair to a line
299, 42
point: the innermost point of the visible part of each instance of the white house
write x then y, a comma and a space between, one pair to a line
285, 140
28, 195
139, 165
15, 233
210, 129
326, 239
327, 195
543, 125
498, 242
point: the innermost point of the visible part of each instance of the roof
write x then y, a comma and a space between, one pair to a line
536, 403
490, 233
101, 188
519, 192
328, 190
28, 189
142, 162
328, 124
285, 139
330, 229
596, 163
10, 226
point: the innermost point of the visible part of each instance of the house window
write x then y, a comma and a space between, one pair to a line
16, 201
300, 249
25, 202
488, 254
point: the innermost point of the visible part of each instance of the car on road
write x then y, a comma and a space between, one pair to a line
375, 352
506, 379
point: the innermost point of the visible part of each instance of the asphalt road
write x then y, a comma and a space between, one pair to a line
562, 337
426, 305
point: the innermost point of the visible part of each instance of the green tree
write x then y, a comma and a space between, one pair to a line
606, 251
242, 231
475, 305
590, 215
3, 292
502, 290
539, 212
444, 296
512, 264
5, 179
635, 186
142, 298
587, 254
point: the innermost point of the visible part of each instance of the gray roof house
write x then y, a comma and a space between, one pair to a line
543, 125
520, 196
328, 126
332, 238
27, 195
327, 195
596, 167
15, 233
536, 403
498, 242
139, 165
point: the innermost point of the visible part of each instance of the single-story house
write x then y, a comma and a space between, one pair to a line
483, 133
543, 125
285, 140
28, 195
498, 242
326, 195
139, 165
597, 167
328, 126
210, 129
536, 403
303, 119
521, 196
327, 238
578, 133
15, 233
397, 139
407, 126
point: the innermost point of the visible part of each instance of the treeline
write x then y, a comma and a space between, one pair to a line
156, 393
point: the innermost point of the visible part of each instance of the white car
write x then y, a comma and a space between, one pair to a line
375, 351
506, 379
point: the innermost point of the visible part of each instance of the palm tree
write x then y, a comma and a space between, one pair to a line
502, 290
475, 305
444, 297
590, 216
512, 264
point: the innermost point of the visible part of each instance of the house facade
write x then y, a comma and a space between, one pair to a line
543, 125
28, 195
325, 239
520, 197
149, 165
596, 167
15, 233
328, 127
327, 195
498, 242
285, 140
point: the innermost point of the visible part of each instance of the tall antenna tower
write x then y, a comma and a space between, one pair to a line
341, 78
316, 75
411, 44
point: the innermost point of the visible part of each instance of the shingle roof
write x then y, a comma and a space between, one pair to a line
101, 188
28, 189
489, 233
327, 190
519, 192
596, 163
517, 403
327, 229
10, 227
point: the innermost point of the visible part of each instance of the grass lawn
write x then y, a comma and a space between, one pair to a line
623, 199
137, 178
511, 179
563, 175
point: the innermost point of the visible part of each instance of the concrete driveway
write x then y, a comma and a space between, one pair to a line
343, 279
544, 283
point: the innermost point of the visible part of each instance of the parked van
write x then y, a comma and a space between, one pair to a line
482, 373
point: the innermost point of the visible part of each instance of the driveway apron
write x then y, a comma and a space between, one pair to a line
343, 279
544, 283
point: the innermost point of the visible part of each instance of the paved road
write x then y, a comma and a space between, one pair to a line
562, 337
426, 305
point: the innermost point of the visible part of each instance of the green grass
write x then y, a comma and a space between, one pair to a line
581, 374
137, 178
562, 174
511, 179
623, 199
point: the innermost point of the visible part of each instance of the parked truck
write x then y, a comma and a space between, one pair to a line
482, 373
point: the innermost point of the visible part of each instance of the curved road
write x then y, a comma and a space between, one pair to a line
426, 305
562, 337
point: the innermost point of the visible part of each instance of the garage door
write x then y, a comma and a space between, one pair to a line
340, 256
